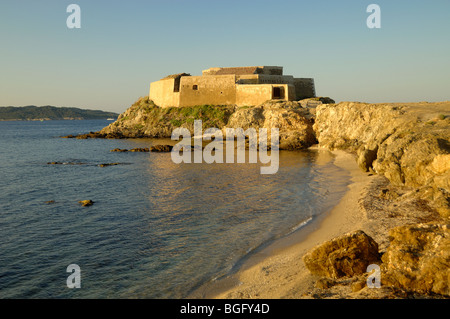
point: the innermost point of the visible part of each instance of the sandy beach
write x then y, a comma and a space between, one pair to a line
278, 271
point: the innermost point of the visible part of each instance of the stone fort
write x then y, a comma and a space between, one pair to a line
241, 86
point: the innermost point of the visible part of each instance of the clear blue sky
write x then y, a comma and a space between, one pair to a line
122, 46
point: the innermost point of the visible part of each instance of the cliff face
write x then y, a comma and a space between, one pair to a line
407, 143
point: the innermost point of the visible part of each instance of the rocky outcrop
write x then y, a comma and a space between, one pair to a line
145, 119
294, 119
418, 258
347, 255
415, 262
407, 143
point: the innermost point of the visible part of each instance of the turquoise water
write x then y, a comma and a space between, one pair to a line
157, 229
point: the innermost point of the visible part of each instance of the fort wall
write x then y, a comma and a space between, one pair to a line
254, 94
211, 89
162, 93
304, 88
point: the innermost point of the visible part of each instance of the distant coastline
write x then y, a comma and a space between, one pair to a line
48, 113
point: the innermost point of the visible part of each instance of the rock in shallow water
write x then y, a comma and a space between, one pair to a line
87, 202
137, 149
161, 148
140, 149
108, 164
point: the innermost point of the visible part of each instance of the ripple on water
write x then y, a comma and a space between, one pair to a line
157, 229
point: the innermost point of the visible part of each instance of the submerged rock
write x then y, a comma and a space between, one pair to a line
347, 255
139, 149
418, 258
108, 164
110, 135
66, 163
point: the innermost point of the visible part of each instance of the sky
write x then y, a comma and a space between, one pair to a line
122, 46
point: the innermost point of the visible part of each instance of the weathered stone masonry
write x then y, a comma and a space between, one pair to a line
225, 86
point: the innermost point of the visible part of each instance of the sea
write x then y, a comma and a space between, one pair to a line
157, 229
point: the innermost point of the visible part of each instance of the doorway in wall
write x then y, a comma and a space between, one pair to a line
278, 93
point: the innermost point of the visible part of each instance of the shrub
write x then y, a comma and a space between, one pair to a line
175, 122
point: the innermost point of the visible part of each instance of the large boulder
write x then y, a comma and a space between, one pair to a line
418, 258
347, 255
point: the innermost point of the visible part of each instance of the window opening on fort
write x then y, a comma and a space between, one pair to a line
195, 87
176, 84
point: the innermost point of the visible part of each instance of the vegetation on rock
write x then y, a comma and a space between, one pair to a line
145, 119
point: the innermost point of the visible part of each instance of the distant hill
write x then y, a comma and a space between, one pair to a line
31, 112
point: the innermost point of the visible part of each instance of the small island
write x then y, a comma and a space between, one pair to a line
37, 113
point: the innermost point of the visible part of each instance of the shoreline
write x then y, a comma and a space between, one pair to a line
49, 119
278, 271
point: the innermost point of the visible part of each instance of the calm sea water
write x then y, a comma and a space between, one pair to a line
157, 229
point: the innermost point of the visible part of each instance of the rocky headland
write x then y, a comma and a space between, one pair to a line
405, 150
35, 113
144, 119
